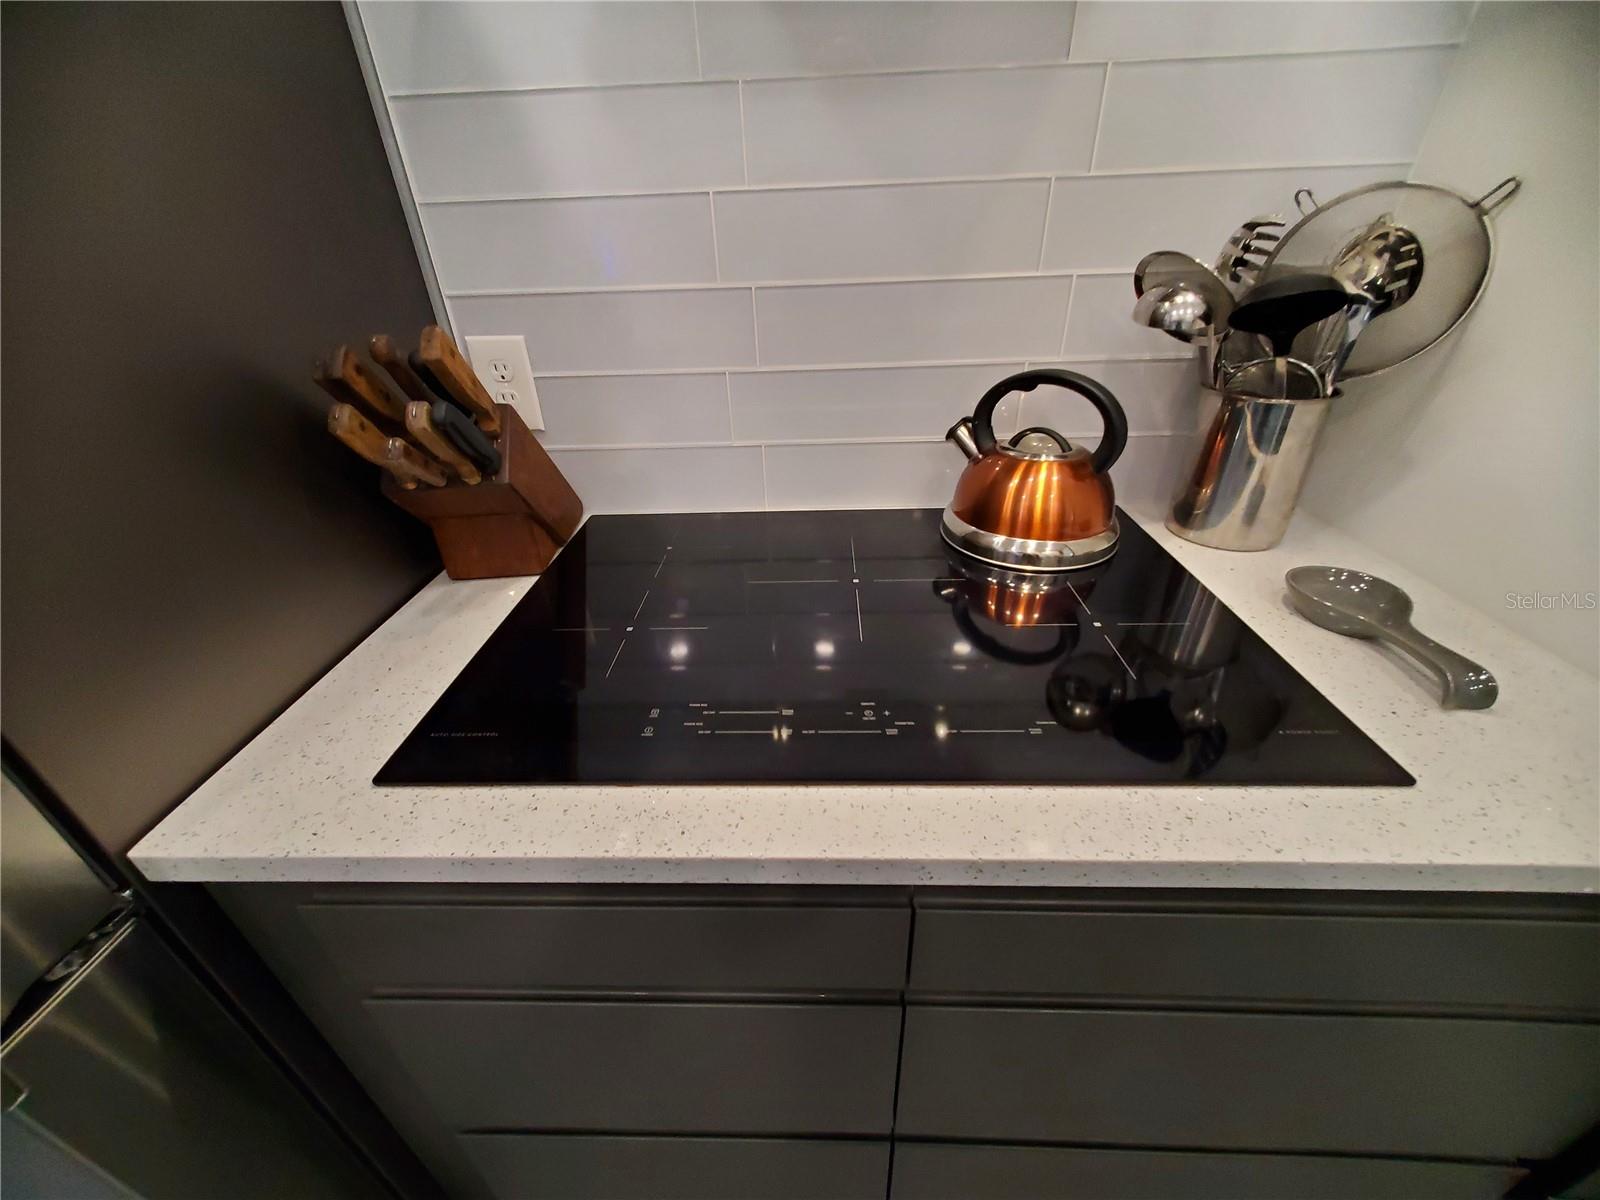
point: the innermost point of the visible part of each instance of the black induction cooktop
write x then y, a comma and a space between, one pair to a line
846, 647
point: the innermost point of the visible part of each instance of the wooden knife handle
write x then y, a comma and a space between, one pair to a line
389, 356
366, 385
344, 394
411, 466
456, 375
419, 424
374, 445
358, 433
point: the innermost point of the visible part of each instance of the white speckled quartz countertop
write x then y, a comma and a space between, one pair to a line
1506, 799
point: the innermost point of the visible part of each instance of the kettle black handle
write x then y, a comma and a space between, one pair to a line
1112, 440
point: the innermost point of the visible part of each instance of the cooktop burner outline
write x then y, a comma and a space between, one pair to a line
649, 633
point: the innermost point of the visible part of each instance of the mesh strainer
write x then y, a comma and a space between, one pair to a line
1456, 238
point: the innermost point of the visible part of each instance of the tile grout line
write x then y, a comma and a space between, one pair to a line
1044, 233
1099, 118
445, 93
727, 385
764, 445
909, 181
755, 325
744, 143
694, 17
893, 365
724, 285
716, 252
1066, 321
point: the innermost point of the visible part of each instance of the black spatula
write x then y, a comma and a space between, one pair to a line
1280, 308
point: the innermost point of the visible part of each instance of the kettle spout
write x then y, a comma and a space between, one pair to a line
961, 434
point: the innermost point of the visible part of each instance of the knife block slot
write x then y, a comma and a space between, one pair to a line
509, 524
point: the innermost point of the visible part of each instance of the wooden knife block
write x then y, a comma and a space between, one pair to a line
512, 523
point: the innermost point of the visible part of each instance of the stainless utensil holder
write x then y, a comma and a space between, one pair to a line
1250, 465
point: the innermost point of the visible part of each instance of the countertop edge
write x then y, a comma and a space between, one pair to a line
1558, 878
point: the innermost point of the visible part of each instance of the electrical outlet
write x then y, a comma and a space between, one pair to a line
502, 365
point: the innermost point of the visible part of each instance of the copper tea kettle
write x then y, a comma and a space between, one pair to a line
1037, 502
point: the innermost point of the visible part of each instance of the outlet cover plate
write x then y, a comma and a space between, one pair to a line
501, 364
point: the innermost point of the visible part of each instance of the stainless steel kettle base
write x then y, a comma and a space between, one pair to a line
1024, 554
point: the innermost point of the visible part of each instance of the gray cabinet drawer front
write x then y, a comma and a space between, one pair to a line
954, 1172
1442, 1088
1395, 962
729, 949
659, 1067
556, 1167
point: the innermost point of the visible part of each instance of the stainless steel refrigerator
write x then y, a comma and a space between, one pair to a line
123, 1074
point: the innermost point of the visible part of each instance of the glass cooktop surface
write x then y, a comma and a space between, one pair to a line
854, 647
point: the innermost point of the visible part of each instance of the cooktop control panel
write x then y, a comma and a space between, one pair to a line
846, 647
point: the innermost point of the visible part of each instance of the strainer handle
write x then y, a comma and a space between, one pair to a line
1498, 194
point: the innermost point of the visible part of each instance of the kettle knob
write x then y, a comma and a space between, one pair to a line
1040, 440
1112, 440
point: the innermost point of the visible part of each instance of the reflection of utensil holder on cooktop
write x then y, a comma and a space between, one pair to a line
1176, 692
512, 523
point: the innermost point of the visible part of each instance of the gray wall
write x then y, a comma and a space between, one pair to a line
1475, 465
196, 205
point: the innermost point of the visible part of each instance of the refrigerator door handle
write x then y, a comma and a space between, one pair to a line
44, 993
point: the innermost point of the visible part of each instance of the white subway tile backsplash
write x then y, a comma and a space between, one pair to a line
923, 474
750, 40
846, 475
862, 475
1100, 222
880, 402
632, 139
885, 127
599, 242
456, 46
665, 479
1148, 472
1201, 28
1158, 396
1102, 323
910, 322
865, 232
620, 331
1302, 109
634, 410
828, 263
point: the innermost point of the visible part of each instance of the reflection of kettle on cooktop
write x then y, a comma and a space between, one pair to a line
1036, 502
1015, 600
